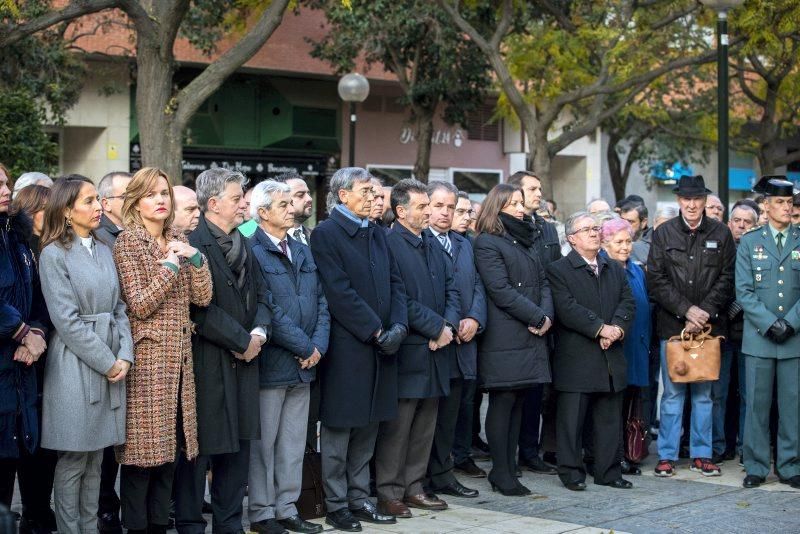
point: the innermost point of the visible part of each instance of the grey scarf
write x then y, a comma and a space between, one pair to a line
233, 247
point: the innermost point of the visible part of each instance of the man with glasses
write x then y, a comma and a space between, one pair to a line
690, 277
594, 307
358, 376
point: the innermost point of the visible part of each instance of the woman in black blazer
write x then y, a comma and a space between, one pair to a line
512, 353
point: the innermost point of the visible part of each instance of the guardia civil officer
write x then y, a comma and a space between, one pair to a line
768, 289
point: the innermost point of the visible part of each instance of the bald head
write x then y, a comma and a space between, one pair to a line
187, 211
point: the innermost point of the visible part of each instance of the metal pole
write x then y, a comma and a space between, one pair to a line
352, 160
722, 108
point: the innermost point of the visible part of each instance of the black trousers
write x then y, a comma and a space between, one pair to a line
35, 473
462, 442
440, 465
502, 432
228, 485
531, 419
109, 501
145, 494
606, 413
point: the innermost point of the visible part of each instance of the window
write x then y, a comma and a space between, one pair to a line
476, 182
479, 127
390, 174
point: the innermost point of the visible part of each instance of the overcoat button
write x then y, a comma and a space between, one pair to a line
230, 283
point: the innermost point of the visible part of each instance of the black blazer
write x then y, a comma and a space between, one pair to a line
227, 388
584, 303
432, 302
517, 296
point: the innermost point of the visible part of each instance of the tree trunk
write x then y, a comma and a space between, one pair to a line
539, 161
618, 177
424, 134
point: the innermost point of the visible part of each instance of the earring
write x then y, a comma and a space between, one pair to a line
69, 221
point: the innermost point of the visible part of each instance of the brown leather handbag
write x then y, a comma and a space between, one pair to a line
694, 357
311, 503
635, 431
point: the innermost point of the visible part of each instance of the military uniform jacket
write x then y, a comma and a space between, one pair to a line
768, 288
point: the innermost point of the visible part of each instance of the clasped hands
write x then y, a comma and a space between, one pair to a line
444, 339
608, 335
544, 328
253, 348
311, 361
118, 371
32, 347
780, 331
696, 319
177, 250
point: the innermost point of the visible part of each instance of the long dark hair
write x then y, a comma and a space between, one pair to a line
497, 199
63, 195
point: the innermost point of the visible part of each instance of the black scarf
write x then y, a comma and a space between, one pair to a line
232, 246
521, 230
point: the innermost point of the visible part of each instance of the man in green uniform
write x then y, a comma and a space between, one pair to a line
768, 288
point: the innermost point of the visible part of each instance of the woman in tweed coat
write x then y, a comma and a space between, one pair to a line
89, 355
160, 275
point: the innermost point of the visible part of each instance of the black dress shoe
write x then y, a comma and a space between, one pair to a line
620, 483
629, 468
550, 458
109, 523
575, 486
718, 459
268, 526
469, 468
537, 465
33, 526
457, 489
792, 481
369, 513
343, 520
753, 481
296, 524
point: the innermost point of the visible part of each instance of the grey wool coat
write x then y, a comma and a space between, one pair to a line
82, 410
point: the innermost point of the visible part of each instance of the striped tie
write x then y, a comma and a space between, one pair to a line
448, 247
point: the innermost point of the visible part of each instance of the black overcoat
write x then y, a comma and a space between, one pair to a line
517, 296
584, 303
365, 293
227, 388
472, 300
432, 301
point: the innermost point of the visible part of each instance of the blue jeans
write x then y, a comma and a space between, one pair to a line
669, 434
719, 393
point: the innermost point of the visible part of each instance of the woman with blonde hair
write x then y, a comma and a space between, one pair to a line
90, 351
161, 275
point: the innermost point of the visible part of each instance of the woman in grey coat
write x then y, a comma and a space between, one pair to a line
89, 355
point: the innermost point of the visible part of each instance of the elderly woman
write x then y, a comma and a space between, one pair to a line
513, 352
160, 275
287, 365
617, 243
90, 352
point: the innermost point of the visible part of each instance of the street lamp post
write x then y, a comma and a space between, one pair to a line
353, 88
722, 7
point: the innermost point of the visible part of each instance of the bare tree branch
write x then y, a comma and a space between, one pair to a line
72, 10
672, 17
789, 157
503, 26
747, 91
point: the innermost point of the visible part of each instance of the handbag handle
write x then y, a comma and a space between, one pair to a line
688, 340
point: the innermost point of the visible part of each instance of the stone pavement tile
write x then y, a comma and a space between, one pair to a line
527, 525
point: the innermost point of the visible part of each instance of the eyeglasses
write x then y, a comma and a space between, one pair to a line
363, 193
588, 229
461, 213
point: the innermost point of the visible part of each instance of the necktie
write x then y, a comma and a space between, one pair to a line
448, 247
594, 269
780, 243
300, 236
283, 245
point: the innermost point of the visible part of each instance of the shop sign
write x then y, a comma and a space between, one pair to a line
453, 136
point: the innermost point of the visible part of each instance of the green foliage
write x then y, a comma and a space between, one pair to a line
24, 145
414, 40
43, 64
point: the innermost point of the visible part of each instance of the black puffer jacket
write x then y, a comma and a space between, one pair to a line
686, 268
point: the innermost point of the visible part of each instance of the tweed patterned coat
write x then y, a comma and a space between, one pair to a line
158, 307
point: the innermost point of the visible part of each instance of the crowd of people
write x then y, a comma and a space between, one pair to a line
157, 333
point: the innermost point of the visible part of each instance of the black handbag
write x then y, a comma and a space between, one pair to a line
311, 504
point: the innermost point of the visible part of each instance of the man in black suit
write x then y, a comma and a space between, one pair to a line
595, 307
457, 251
423, 362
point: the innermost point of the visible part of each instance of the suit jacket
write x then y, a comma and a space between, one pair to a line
365, 293
584, 303
227, 388
472, 300
768, 289
432, 303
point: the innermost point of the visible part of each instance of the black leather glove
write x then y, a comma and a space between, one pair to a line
389, 341
780, 331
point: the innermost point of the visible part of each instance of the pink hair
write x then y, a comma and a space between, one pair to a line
613, 226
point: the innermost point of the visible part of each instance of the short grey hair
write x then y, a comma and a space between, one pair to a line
105, 188
345, 178
569, 226
264, 194
31, 178
749, 210
439, 184
212, 183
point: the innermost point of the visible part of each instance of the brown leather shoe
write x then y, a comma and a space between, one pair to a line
426, 502
394, 507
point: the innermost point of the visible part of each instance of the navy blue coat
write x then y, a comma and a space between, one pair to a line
472, 300
432, 301
21, 302
300, 319
365, 293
